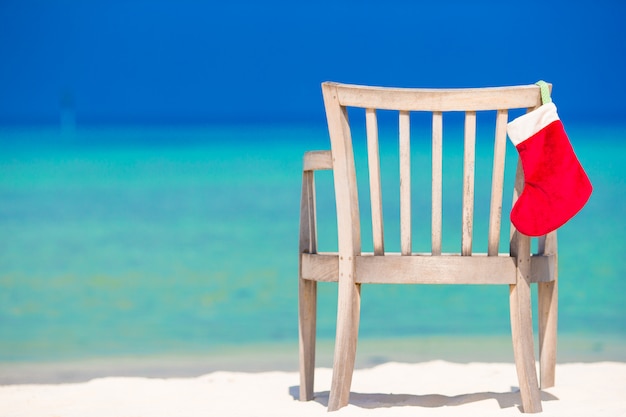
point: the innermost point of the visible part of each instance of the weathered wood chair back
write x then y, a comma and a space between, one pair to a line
351, 267
338, 98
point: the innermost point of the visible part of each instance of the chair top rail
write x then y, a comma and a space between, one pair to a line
428, 99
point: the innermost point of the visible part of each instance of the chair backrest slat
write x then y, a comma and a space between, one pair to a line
405, 183
373, 159
469, 161
437, 174
497, 183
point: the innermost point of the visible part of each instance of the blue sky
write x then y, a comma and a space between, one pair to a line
178, 62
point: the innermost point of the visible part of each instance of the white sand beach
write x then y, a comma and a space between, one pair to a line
433, 388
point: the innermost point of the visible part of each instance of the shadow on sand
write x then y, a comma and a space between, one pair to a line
376, 400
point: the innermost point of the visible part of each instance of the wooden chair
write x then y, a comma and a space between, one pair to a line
350, 267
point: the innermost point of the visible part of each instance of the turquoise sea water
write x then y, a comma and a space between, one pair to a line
131, 241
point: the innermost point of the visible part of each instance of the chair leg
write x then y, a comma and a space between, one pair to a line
307, 290
348, 311
548, 301
307, 304
523, 349
548, 294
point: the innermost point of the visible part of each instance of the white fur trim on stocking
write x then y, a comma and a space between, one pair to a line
529, 124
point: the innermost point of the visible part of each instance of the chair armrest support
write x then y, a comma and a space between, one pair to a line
317, 160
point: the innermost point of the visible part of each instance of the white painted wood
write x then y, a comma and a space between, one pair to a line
320, 267
349, 242
308, 231
518, 187
548, 294
497, 183
324, 267
318, 160
405, 183
348, 313
423, 99
344, 173
307, 313
307, 298
437, 174
522, 328
375, 187
520, 311
350, 268
543, 268
469, 160
429, 269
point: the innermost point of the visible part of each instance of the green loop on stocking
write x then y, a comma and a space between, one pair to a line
545, 92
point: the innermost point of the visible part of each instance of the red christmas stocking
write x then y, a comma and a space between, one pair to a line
555, 184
